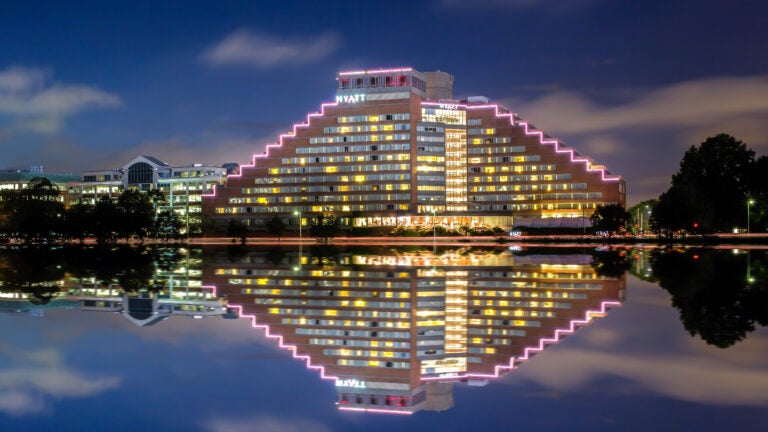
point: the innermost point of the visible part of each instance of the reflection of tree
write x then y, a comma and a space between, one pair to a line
711, 290
324, 254
611, 263
275, 255
30, 266
39, 271
33, 271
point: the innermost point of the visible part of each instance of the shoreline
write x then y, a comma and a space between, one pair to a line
729, 241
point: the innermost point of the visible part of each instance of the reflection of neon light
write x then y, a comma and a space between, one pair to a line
559, 333
279, 144
279, 338
375, 410
306, 358
558, 149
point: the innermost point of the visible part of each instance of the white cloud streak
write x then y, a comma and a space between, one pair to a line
248, 48
687, 104
263, 424
36, 105
24, 389
695, 378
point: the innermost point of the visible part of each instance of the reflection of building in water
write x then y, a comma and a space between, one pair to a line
396, 331
176, 290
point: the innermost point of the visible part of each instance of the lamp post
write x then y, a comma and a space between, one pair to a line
749, 204
643, 219
298, 213
434, 233
298, 267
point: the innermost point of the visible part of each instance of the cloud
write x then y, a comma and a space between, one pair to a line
249, 48
688, 104
642, 134
599, 145
690, 378
263, 424
176, 151
652, 355
17, 79
41, 375
34, 104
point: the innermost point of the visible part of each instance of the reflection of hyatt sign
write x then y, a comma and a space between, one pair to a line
449, 106
350, 383
351, 98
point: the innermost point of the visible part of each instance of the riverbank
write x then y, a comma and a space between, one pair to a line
723, 240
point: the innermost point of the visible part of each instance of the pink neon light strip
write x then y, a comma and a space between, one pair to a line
375, 410
279, 144
306, 358
574, 159
375, 71
559, 333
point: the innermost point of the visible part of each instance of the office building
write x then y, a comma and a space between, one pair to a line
182, 187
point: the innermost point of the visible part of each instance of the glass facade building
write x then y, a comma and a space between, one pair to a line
394, 148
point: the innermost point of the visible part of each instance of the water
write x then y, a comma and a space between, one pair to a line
464, 339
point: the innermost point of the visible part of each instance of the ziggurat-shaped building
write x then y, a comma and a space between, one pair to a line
394, 331
395, 149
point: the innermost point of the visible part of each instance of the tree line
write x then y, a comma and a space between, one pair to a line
720, 186
37, 214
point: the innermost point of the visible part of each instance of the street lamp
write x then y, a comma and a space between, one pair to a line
749, 204
434, 232
298, 213
644, 219
298, 267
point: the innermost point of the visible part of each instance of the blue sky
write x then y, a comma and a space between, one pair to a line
632, 84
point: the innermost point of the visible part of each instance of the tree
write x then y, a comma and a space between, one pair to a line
758, 192
709, 192
33, 213
79, 221
167, 225
325, 227
136, 214
641, 215
275, 226
106, 220
611, 218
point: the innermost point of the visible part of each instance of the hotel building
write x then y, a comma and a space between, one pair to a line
395, 148
394, 331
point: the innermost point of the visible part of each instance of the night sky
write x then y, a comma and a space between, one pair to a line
632, 84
